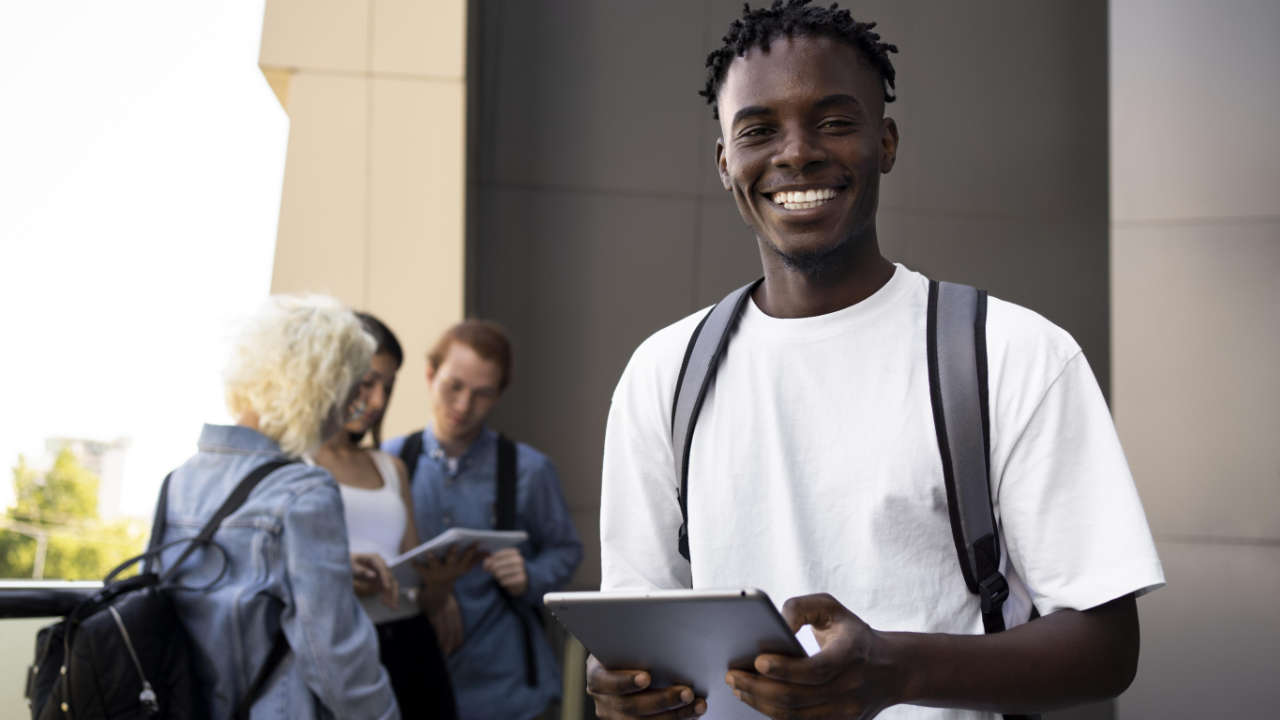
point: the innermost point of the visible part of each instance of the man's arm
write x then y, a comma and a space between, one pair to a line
1065, 658
557, 549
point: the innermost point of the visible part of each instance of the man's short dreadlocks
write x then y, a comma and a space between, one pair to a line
758, 28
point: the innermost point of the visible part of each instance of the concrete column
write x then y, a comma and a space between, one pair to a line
374, 188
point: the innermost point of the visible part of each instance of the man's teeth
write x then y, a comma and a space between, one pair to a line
803, 199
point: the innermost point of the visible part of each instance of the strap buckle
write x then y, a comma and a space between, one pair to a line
993, 591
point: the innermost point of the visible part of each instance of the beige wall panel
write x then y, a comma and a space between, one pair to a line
1193, 106
1210, 639
420, 37
417, 251
1196, 316
316, 34
321, 241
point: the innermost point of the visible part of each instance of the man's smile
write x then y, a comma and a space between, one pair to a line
806, 197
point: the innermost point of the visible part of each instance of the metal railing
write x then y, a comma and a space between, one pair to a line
42, 598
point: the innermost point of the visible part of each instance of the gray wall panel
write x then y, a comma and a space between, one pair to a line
1197, 327
1211, 638
1196, 252
633, 133
1195, 100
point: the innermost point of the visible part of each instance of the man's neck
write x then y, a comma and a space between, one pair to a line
850, 278
454, 447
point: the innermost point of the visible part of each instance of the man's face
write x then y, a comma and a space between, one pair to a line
464, 389
803, 144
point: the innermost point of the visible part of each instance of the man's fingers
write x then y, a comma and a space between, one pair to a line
815, 670
778, 711
697, 709
601, 680
775, 693
819, 610
677, 701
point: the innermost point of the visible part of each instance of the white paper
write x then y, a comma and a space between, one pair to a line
484, 540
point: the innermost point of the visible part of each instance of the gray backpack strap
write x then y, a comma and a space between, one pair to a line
701, 356
957, 348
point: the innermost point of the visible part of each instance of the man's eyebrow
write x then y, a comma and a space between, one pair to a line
837, 99
749, 111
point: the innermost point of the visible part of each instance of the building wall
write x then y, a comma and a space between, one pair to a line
374, 190
595, 215
1195, 173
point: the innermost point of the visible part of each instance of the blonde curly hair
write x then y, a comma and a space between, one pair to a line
293, 364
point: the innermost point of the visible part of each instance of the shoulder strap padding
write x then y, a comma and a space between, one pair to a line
702, 356
957, 360
410, 451
505, 504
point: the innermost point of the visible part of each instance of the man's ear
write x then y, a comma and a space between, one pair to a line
888, 144
721, 167
431, 373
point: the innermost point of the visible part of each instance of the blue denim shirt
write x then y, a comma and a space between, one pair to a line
287, 566
488, 670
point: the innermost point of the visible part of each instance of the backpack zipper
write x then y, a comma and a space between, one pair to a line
148, 696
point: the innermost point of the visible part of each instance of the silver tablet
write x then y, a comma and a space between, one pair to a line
680, 636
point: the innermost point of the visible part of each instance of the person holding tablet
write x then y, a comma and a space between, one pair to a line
814, 471
505, 667
376, 505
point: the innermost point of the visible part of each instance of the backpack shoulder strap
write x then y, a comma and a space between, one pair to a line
230, 505
505, 510
957, 348
702, 356
411, 451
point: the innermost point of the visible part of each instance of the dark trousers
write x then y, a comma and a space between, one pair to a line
419, 677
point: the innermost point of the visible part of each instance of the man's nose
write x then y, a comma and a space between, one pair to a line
798, 150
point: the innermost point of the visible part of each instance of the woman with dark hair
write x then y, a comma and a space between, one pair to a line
378, 509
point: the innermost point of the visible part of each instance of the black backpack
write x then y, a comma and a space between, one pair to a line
123, 652
504, 518
957, 356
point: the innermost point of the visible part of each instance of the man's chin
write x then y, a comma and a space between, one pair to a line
813, 260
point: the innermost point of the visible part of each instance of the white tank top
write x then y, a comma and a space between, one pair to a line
376, 518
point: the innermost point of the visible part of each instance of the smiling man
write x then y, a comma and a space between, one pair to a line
814, 471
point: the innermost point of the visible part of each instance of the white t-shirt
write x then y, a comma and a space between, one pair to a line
376, 518
815, 468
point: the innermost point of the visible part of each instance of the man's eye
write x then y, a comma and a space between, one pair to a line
757, 131
836, 124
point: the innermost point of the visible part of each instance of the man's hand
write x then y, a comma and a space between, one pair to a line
621, 694
370, 575
507, 567
438, 572
847, 679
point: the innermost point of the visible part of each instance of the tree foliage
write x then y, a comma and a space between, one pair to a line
62, 504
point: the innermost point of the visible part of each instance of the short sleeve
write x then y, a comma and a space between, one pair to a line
1072, 521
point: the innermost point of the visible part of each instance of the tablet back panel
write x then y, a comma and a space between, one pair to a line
680, 636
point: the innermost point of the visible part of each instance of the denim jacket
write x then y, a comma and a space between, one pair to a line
287, 566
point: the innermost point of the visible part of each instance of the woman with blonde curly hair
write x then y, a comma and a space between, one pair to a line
276, 583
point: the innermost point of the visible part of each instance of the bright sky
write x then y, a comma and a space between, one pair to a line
141, 160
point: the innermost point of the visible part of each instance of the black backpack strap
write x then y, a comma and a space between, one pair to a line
505, 519
411, 451
702, 356
505, 504
230, 505
279, 649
